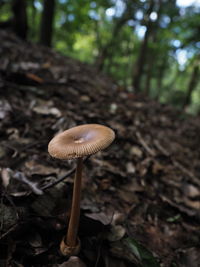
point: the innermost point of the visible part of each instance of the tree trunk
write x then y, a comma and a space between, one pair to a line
33, 29
20, 24
141, 60
46, 28
148, 77
161, 72
152, 56
107, 49
192, 84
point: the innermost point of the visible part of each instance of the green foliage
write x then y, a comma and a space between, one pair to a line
142, 254
89, 30
6, 12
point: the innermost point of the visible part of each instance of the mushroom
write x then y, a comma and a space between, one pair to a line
78, 142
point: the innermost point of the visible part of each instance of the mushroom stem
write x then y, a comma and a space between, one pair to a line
71, 237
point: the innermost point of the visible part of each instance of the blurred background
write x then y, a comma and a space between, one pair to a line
149, 47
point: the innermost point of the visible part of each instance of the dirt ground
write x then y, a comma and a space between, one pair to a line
141, 196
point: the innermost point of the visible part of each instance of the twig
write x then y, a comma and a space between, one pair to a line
177, 164
186, 171
161, 148
181, 208
12, 228
33, 186
144, 144
45, 187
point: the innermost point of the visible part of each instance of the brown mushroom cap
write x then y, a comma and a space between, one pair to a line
80, 141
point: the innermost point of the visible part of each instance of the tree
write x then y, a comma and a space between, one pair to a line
18, 22
140, 62
46, 28
152, 55
192, 83
105, 51
33, 34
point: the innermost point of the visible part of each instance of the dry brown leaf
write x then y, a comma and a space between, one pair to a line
34, 167
101, 217
136, 151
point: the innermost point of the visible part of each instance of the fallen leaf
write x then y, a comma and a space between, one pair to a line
136, 151
34, 167
5, 108
144, 256
130, 168
116, 233
73, 262
191, 190
101, 217
190, 257
5, 177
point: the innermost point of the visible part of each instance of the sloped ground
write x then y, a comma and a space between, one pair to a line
144, 188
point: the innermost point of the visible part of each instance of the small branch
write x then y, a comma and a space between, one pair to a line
45, 187
145, 145
187, 172
33, 186
12, 228
161, 148
177, 164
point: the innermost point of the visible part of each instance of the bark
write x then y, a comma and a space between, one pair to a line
19, 22
152, 55
161, 72
192, 85
33, 31
148, 77
46, 28
141, 60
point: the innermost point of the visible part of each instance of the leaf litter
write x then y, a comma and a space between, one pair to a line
141, 197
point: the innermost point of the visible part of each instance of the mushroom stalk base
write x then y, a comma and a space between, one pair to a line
70, 241
68, 251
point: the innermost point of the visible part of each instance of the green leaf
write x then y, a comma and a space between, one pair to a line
144, 256
174, 219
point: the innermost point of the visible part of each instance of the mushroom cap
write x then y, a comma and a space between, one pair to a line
80, 141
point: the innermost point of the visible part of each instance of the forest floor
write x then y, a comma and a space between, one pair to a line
141, 196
